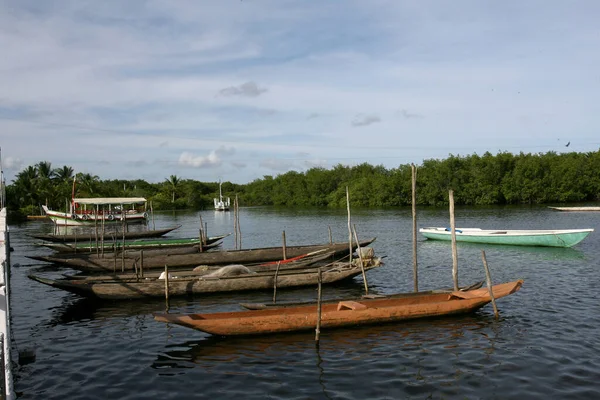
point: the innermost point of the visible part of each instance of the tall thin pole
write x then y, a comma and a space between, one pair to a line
414, 226
349, 225
362, 265
318, 329
488, 279
284, 245
152, 212
453, 235
237, 208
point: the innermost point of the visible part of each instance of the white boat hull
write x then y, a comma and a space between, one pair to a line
90, 219
550, 238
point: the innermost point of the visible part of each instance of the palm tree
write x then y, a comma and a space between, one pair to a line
88, 183
63, 174
25, 185
44, 169
173, 183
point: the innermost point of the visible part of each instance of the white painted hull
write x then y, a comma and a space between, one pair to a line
576, 208
90, 219
551, 238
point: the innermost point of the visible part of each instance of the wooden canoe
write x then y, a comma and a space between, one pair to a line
344, 313
207, 282
145, 244
303, 261
94, 263
152, 233
265, 306
515, 237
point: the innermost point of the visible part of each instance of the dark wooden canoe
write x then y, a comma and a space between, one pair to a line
208, 282
153, 233
265, 306
94, 263
344, 313
139, 244
303, 261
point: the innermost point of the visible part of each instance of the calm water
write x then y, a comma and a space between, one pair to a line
545, 345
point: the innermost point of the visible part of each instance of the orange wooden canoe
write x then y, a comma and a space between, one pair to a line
344, 313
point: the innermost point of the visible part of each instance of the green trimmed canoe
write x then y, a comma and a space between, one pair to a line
159, 243
551, 238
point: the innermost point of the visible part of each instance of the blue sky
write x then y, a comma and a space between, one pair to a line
235, 90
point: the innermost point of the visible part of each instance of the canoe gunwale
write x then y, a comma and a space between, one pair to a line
304, 318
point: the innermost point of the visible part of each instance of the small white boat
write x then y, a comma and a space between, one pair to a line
552, 238
110, 210
222, 204
575, 208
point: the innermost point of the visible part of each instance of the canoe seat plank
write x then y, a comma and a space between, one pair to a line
350, 305
464, 295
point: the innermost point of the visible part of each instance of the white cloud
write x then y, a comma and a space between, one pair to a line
210, 161
182, 76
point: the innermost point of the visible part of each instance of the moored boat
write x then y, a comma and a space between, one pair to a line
161, 243
94, 263
109, 234
265, 306
580, 209
549, 237
222, 203
344, 313
101, 210
226, 279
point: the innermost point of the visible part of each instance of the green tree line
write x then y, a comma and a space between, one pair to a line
504, 178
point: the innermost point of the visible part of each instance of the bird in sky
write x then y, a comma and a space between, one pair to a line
567, 145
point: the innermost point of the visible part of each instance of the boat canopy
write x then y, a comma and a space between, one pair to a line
110, 200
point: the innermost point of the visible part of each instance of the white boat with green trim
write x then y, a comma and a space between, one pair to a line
109, 210
549, 237
580, 209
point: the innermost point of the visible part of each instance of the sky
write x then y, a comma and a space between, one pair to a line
235, 90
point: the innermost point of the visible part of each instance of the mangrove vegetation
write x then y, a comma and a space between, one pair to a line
489, 179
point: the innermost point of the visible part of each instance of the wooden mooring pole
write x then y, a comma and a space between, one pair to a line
414, 226
488, 280
284, 246
167, 285
362, 265
318, 329
275, 283
349, 226
453, 236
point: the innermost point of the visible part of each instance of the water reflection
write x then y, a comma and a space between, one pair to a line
540, 252
479, 331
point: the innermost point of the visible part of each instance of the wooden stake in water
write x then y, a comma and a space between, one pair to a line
167, 285
201, 235
96, 228
152, 212
349, 225
414, 226
284, 247
142, 262
275, 284
488, 280
453, 236
318, 329
237, 208
362, 265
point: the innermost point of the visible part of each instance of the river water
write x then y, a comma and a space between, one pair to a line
546, 343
